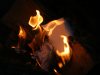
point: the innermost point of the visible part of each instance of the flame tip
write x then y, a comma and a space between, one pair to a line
22, 33
35, 21
55, 70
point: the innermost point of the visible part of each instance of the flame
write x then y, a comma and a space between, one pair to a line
66, 47
60, 64
22, 33
35, 21
66, 54
13, 47
52, 25
38, 63
31, 54
55, 70
66, 51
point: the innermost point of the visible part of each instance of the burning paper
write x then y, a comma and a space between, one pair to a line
58, 31
55, 29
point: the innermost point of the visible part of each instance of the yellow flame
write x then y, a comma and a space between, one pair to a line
51, 25
22, 33
66, 47
35, 21
66, 51
55, 70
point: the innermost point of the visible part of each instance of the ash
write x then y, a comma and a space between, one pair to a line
46, 55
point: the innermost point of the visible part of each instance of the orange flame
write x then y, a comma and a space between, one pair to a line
22, 33
66, 47
51, 25
55, 70
60, 64
66, 51
38, 63
13, 47
35, 21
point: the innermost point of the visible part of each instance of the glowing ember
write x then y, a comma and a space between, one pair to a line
55, 70
35, 21
22, 33
31, 54
38, 63
13, 47
60, 64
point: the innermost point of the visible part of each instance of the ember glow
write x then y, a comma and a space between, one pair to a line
22, 33
38, 63
35, 21
64, 55
60, 64
13, 47
55, 70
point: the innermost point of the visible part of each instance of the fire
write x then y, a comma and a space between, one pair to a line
22, 33
64, 55
60, 64
52, 25
35, 21
53, 32
66, 47
55, 70
38, 63
13, 47
56, 30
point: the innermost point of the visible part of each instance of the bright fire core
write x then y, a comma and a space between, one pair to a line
66, 47
35, 21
